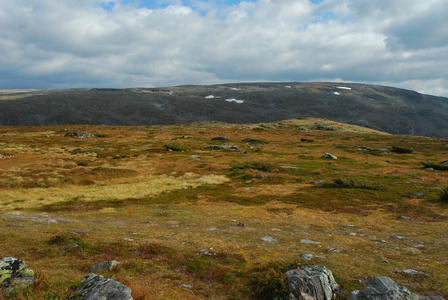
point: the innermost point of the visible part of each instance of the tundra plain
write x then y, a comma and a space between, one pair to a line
187, 221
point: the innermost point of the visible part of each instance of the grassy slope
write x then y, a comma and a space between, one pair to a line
126, 185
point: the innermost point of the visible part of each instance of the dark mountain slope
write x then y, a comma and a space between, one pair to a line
383, 108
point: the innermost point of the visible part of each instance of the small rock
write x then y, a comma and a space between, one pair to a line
405, 218
318, 182
329, 156
411, 272
400, 237
212, 229
106, 265
129, 239
305, 241
306, 256
220, 138
352, 234
195, 156
269, 239
186, 285
419, 195
334, 250
241, 224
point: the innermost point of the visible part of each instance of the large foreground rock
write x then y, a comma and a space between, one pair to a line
383, 288
97, 287
312, 283
15, 273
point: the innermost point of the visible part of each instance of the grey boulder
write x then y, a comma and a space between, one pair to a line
15, 273
383, 288
312, 282
97, 287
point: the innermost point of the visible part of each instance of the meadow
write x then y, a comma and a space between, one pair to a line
187, 221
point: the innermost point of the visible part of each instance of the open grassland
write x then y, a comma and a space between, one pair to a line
152, 197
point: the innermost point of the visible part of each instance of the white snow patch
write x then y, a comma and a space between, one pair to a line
344, 88
235, 89
337, 93
209, 97
287, 86
235, 100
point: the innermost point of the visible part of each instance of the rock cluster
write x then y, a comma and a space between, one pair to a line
80, 134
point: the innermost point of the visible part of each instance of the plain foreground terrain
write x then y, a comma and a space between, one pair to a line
190, 216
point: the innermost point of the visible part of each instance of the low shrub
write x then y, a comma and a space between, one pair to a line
400, 150
435, 166
443, 195
349, 183
270, 282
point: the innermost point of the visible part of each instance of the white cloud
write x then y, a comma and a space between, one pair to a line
52, 43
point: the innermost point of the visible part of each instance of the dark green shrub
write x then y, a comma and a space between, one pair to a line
435, 166
400, 150
271, 281
307, 140
443, 195
349, 183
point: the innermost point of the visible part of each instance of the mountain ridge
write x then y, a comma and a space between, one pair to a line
388, 109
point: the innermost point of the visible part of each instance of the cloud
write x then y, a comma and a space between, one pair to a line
90, 43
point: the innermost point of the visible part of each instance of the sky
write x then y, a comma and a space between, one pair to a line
143, 43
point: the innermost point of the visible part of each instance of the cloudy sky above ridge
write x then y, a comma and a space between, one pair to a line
142, 43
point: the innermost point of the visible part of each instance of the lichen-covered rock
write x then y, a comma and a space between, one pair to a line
14, 272
312, 283
97, 287
383, 288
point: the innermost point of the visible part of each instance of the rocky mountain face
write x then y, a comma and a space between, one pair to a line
388, 109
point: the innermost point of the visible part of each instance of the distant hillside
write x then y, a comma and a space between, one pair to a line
388, 109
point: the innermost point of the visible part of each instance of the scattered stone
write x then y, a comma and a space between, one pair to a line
352, 234
410, 272
334, 250
205, 252
405, 218
318, 182
269, 239
241, 224
106, 265
223, 147
80, 134
186, 285
382, 288
97, 287
305, 241
400, 237
220, 138
329, 156
15, 273
312, 282
212, 229
419, 195
75, 233
306, 256
195, 156
444, 162
38, 219
129, 239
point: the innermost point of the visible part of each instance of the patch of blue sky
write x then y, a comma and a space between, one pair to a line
161, 4
316, 1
